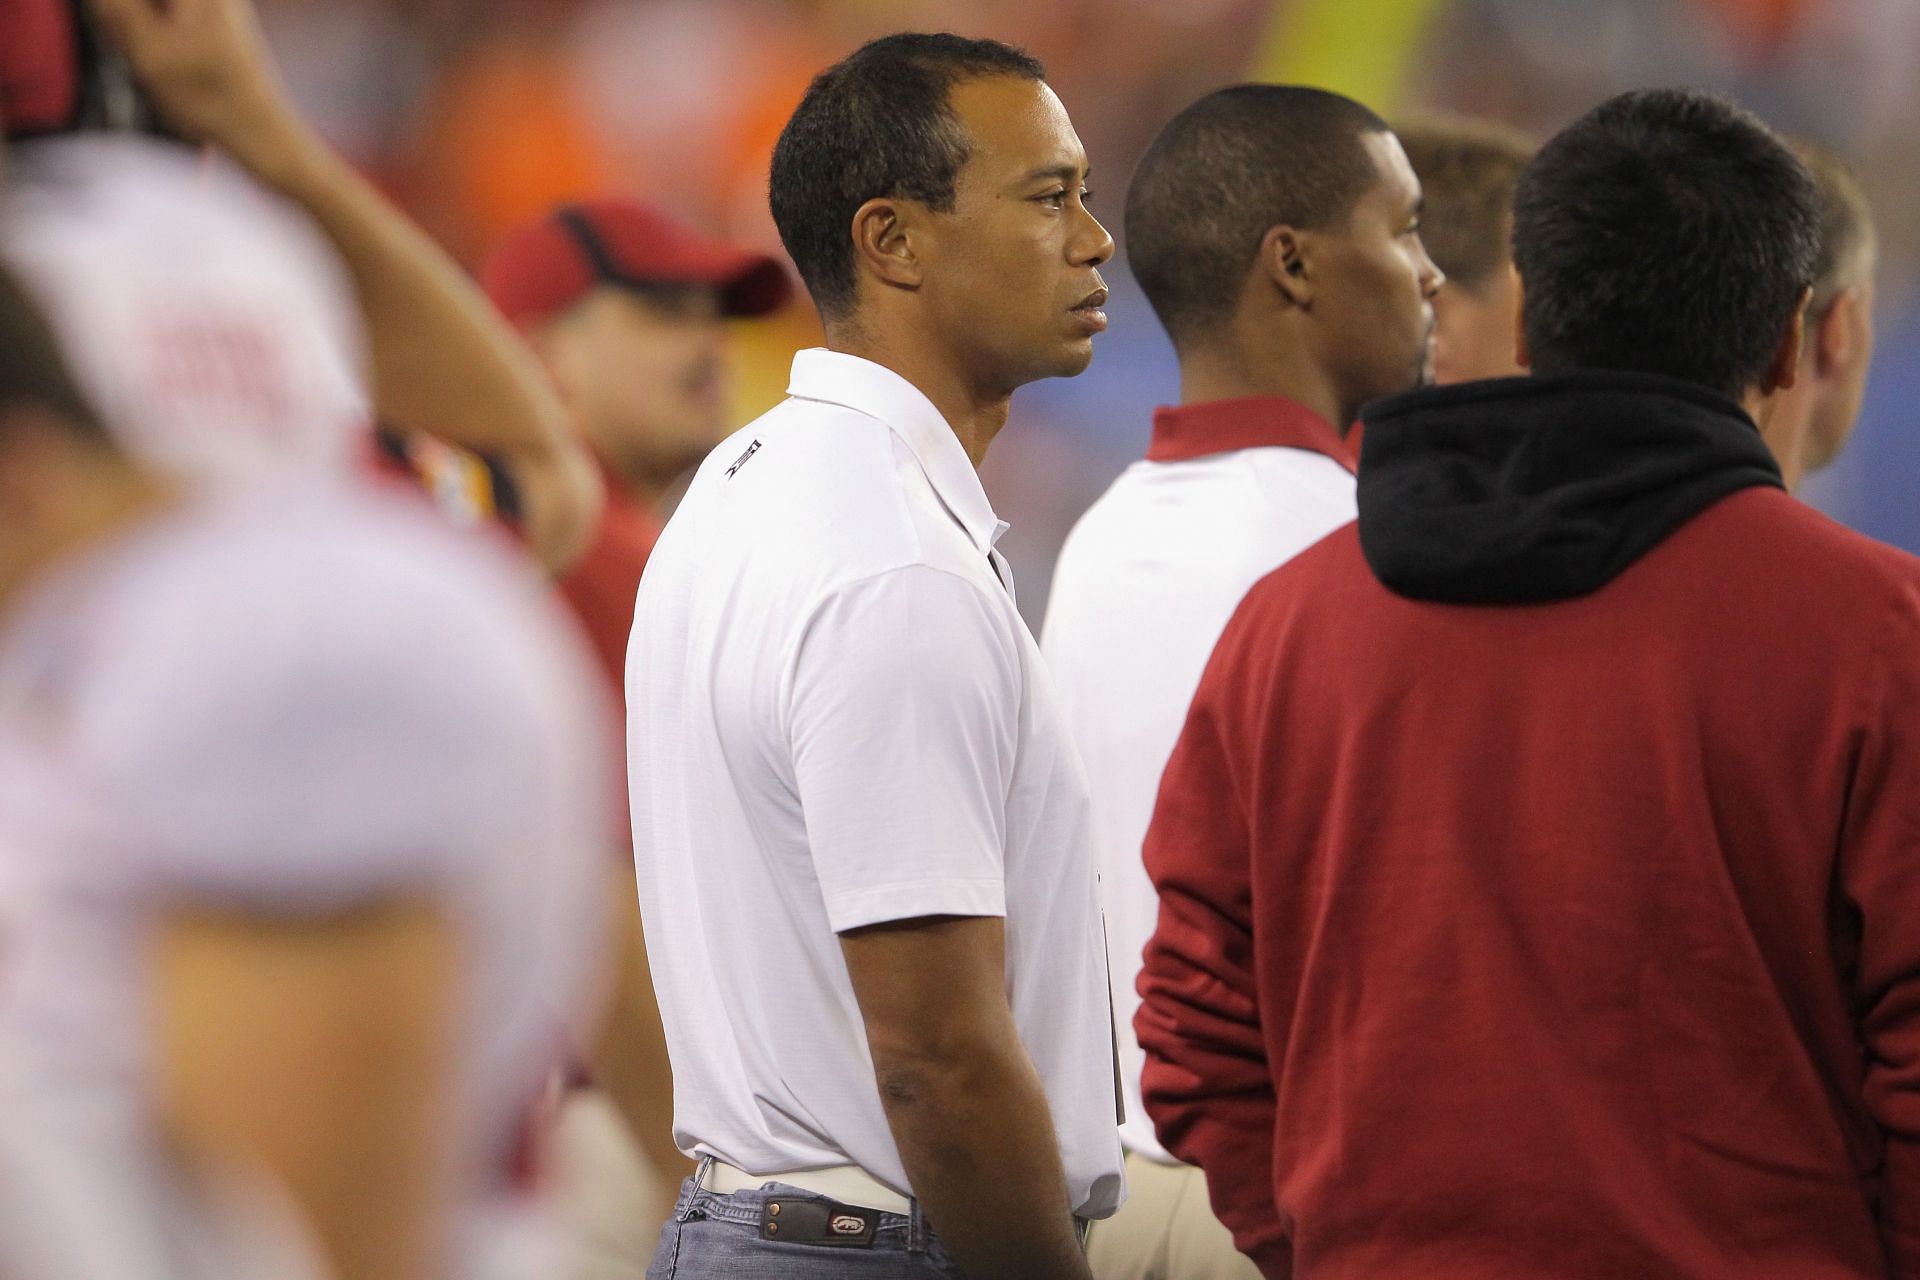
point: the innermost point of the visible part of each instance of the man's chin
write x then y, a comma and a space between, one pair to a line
1062, 359
1073, 359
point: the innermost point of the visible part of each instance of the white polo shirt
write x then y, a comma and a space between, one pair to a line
838, 718
1229, 491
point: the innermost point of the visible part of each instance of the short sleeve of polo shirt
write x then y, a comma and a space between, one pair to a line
901, 720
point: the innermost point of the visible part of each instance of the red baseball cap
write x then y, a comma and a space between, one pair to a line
544, 266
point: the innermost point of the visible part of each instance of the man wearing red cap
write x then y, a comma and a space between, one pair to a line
627, 310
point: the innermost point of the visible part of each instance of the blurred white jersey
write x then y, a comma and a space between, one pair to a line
210, 324
290, 703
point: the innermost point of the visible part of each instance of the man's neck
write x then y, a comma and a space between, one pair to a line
637, 484
1786, 421
1229, 368
652, 479
974, 414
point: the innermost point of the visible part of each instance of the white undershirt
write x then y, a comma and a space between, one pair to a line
1143, 588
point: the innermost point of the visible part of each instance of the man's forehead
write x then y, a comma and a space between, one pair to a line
1394, 183
1015, 127
649, 301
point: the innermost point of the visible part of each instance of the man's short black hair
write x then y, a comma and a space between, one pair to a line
875, 125
1666, 231
33, 373
1225, 171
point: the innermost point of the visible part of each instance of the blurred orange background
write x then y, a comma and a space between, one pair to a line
476, 114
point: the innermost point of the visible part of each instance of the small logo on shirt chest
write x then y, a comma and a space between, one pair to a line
741, 461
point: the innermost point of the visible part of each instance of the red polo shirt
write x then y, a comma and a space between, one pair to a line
601, 588
1567, 940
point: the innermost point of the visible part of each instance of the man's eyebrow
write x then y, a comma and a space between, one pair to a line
1059, 172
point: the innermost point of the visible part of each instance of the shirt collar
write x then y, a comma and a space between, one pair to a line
1184, 432
834, 377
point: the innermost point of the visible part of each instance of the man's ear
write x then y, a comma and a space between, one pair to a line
1286, 259
1521, 356
1784, 369
1835, 333
883, 242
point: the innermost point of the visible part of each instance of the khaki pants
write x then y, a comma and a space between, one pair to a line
1165, 1231
610, 1201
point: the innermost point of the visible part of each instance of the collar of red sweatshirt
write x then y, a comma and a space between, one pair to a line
1522, 490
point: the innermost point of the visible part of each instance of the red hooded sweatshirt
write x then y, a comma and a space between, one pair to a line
1554, 911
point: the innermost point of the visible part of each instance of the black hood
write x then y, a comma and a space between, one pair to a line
1529, 489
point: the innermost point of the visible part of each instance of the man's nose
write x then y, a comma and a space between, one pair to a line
1094, 247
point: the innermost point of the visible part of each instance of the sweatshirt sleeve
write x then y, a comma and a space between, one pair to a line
1206, 1082
1880, 878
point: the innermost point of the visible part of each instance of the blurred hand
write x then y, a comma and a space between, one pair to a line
206, 66
443, 361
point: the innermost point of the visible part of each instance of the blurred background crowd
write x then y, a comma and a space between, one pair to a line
478, 114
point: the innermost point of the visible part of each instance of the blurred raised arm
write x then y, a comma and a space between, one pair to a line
444, 362
316, 1054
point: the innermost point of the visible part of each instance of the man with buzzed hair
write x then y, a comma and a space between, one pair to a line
1537, 862
1468, 168
1807, 425
1275, 231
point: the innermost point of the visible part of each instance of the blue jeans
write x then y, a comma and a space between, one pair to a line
717, 1237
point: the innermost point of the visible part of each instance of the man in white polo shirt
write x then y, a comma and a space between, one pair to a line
861, 832
1274, 231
